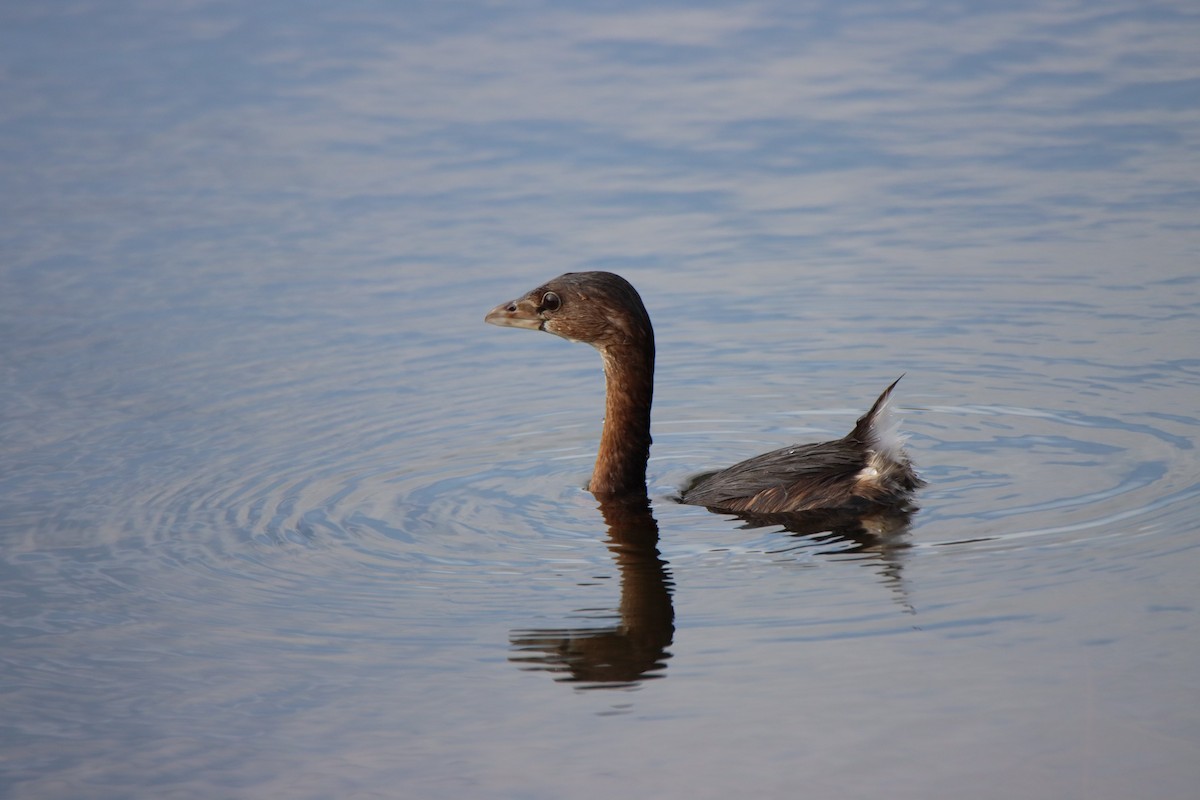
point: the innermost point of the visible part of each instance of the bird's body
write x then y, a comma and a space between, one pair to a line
867, 467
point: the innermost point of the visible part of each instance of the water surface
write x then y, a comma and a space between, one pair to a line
281, 517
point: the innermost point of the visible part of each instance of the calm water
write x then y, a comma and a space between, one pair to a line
281, 517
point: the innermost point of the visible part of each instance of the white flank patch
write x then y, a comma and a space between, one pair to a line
867, 475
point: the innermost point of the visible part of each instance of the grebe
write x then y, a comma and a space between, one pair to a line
867, 468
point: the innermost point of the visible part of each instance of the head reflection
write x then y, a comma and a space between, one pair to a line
635, 648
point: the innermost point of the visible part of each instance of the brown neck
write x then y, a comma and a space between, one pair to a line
625, 440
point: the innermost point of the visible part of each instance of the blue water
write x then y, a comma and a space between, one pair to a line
281, 517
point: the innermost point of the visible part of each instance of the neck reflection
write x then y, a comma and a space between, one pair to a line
635, 648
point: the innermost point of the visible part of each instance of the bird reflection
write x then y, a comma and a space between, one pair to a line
635, 648
877, 536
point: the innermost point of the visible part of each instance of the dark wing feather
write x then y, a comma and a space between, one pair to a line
787, 479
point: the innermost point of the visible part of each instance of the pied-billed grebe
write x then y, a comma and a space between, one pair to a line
867, 467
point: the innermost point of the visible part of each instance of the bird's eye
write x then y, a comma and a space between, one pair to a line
551, 302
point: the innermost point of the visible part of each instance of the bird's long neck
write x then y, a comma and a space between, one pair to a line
625, 440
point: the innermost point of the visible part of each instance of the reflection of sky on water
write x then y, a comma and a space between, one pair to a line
265, 469
823, 132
